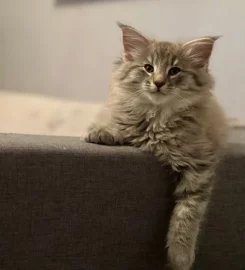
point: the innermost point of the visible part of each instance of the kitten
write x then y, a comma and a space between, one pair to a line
161, 101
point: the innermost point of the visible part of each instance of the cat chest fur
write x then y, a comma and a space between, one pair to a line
156, 133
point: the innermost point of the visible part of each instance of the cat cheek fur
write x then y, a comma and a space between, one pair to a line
185, 128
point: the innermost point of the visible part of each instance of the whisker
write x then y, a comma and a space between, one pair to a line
140, 95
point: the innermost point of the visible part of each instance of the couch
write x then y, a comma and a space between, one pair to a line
69, 205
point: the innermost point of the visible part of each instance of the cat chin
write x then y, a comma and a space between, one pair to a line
157, 98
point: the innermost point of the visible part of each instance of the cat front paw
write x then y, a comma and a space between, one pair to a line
101, 135
179, 258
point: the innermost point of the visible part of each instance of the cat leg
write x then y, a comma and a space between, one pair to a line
103, 135
105, 130
192, 196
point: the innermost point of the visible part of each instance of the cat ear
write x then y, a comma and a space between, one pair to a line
133, 41
199, 50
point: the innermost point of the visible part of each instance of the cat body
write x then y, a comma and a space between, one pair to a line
161, 101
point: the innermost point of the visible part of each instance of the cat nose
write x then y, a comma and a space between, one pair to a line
159, 84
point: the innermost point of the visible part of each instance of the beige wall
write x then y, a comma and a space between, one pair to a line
1, 46
67, 50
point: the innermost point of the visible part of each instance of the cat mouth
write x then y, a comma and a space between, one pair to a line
159, 93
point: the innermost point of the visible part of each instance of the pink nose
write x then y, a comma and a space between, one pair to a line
159, 84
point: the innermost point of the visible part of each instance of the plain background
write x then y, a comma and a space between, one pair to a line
66, 48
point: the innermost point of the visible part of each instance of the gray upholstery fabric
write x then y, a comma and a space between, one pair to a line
222, 241
65, 204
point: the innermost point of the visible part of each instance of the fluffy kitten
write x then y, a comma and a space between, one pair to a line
161, 101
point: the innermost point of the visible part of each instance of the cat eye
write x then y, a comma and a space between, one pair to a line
149, 68
173, 71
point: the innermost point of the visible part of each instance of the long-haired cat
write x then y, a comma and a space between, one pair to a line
161, 101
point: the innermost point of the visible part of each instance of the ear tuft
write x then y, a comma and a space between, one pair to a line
133, 41
199, 50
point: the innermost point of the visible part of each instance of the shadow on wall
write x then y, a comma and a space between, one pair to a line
68, 2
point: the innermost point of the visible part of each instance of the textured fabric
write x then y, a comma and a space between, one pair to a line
29, 113
66, 204
222, 241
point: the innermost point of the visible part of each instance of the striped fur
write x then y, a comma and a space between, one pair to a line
182, 125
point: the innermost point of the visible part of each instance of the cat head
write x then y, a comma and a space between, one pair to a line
163, 71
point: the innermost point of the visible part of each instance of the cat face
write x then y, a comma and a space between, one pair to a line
163, 71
